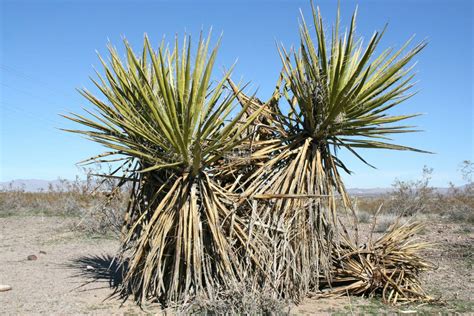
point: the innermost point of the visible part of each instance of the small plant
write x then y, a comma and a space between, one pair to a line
243, 299
95, 206
411, 197
363, 217
384, 222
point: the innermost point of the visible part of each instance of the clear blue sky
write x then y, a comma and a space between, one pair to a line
48, 49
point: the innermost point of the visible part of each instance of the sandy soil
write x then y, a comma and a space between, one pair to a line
54, 282
451, 284
51, 284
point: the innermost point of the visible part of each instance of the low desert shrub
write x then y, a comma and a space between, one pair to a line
458, 204
411, 197
370, 204
103, 216
363, 217
384, 221
415, 197
243, 299
93, 206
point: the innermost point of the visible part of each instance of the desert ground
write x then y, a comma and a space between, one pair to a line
59, 280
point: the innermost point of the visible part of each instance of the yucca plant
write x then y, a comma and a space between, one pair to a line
338, 93
171, 126
222, 197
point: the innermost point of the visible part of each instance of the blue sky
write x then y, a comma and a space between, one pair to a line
48, 49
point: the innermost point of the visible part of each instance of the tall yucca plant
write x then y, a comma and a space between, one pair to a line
339, 94
171, 125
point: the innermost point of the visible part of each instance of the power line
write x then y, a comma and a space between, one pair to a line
32, 79
29, 114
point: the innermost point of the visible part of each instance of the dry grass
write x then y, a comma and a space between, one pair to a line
243, 299
96, 209
363, 217
384, 221
457, 204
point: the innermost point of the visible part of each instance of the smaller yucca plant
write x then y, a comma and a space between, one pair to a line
171, 125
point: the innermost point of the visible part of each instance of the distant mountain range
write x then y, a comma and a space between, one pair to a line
37, 185
29, 185
369, 192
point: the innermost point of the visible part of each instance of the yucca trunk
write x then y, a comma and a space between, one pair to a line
296, 193
181, 247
